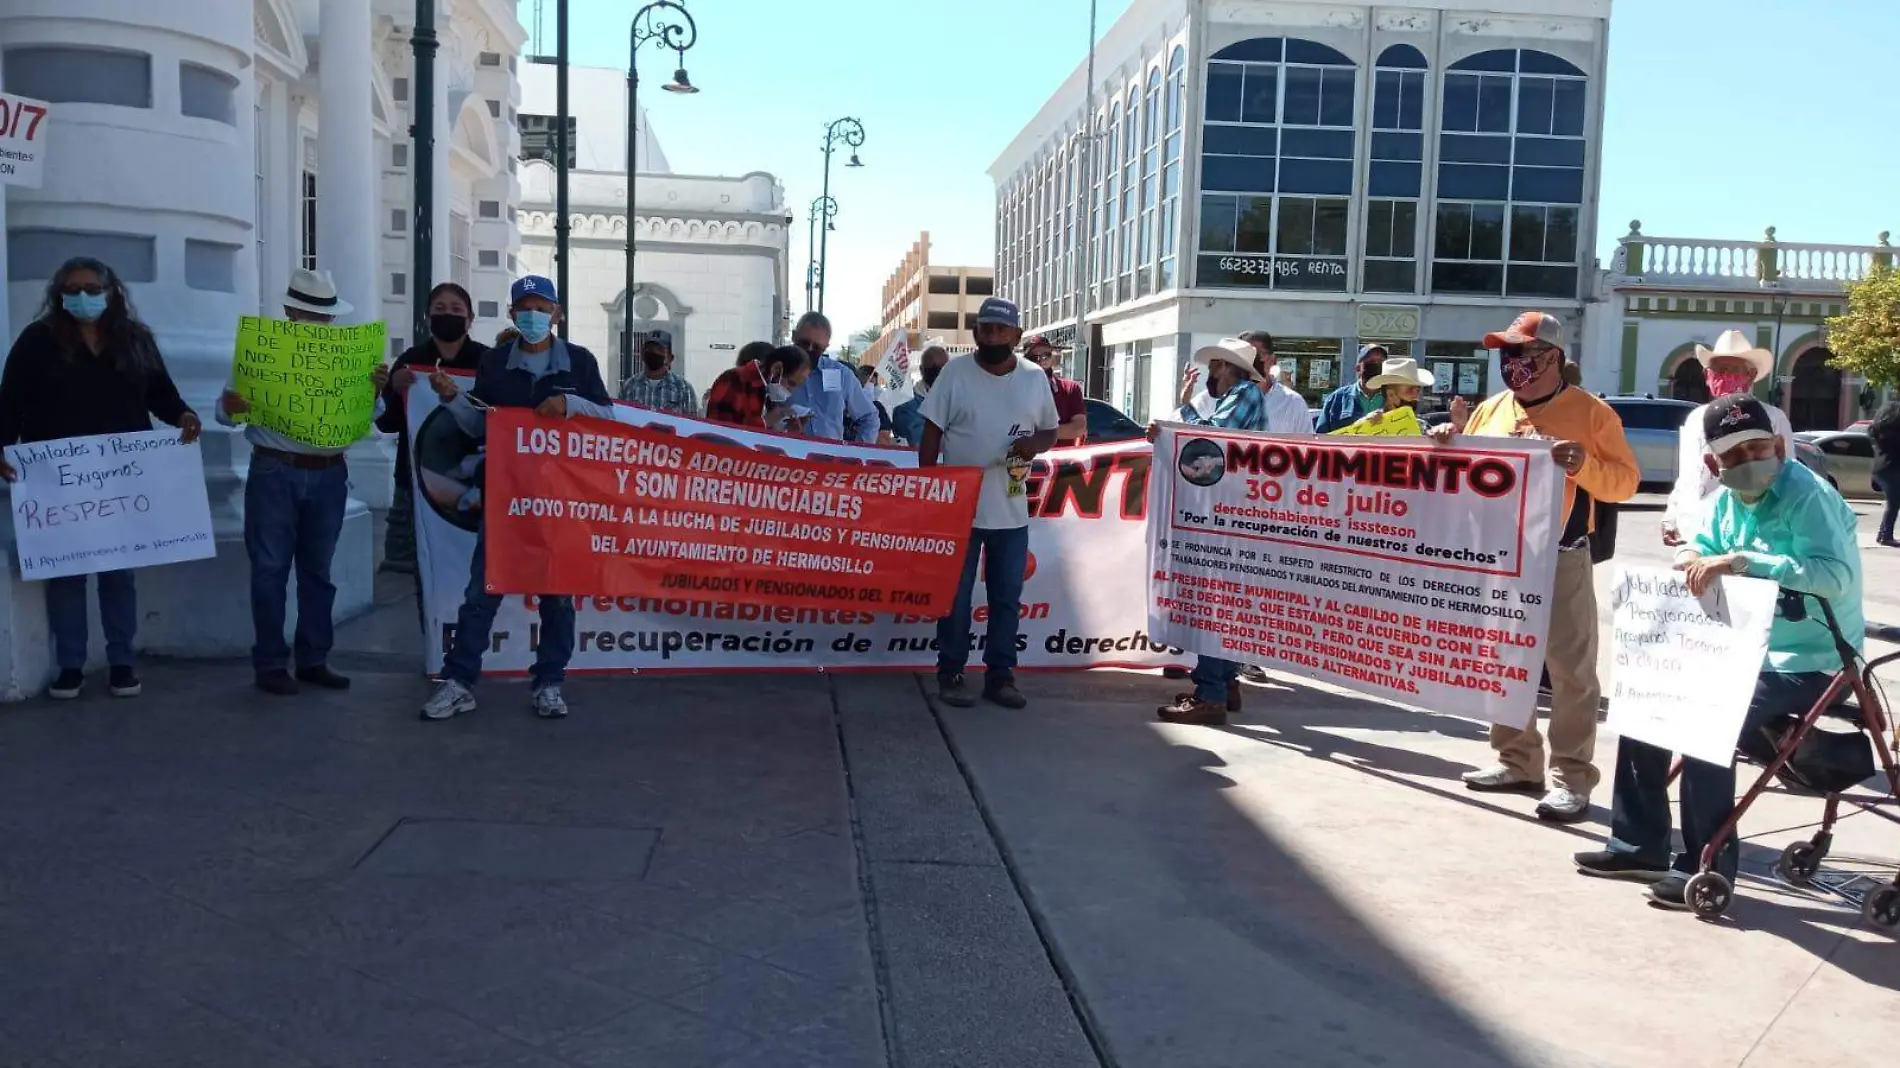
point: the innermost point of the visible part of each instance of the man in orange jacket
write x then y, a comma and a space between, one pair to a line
1599, 466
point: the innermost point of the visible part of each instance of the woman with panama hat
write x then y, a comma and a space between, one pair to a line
1732, 366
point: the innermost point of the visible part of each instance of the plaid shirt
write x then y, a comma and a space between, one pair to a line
669, 394
738, 397
1240, 408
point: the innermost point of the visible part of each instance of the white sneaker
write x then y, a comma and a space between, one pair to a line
549, 704
1500, 779
1563, 805
449, 700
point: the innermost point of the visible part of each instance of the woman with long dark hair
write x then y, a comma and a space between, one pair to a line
87, 366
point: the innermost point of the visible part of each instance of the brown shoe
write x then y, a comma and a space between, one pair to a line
1190, 710
1233, 696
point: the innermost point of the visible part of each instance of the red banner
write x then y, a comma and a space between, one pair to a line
590, 507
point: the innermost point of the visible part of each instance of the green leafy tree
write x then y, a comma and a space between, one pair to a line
1865, 339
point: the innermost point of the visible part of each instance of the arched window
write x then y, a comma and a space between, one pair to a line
1510, 175
1150, 183
1171, 168
1131, 153
1111, 209
1396, 173
1277, 146
1092, 177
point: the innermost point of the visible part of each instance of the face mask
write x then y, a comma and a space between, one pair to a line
1721, 384
534, 326
777, 393
448, 329
810, 346
83, 306
654, 359
930, 375
1752, 478
995, 354
1518, 371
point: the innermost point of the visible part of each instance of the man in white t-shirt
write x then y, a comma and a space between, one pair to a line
993, 410
1732, 366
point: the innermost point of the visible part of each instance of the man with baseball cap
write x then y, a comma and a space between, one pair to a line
1356, 399
1598, 466
656, 386
1233, 380
1771, 519
558, 380
1733, 366
1071, 408
992, 410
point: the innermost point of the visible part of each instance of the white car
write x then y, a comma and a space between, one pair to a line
1850, 460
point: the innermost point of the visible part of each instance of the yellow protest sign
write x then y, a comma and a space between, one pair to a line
308, 381
1397, 423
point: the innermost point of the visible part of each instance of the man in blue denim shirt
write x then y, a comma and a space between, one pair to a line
1772, 520
840, 408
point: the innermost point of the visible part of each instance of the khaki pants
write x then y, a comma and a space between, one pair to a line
1570, 655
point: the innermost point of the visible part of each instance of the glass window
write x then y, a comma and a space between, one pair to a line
943, 283
211, 265
1260, 102
1224, 83
205, 93
69, 74
34, 253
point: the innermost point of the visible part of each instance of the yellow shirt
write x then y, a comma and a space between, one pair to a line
1609, 472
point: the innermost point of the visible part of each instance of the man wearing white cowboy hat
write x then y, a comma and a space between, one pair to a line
1732, 366
1399, 384
1235, 383
294, 498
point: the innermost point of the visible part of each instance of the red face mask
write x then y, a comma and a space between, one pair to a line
1723, 383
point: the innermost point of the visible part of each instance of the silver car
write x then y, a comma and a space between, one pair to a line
1850, 459
1653, 427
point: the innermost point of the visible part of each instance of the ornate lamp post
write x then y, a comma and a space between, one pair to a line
850, 133
822, 208
669, 23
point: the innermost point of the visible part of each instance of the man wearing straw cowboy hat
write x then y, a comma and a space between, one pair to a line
1233, 380
1733, 366
294, 498
1398, 385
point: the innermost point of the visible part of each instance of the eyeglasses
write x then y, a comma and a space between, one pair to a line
92, 290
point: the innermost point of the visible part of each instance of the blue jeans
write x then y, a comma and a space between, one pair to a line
1639, 820
1212, 676
1005, 559
476, 619
292, 519
66, 618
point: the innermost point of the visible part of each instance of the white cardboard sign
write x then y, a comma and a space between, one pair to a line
109, 502
1684, 667
22, 140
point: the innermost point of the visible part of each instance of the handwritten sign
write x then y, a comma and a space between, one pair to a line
22, 140
1397, 423
308, 381
109, 502
1685, 667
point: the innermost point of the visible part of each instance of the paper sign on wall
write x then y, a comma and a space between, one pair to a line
109, 502
22, 140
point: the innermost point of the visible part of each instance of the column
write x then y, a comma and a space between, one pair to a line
347, 241
6, 328
444, 137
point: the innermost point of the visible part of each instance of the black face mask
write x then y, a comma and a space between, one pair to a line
810, 346
654, 359
931, 373
995, 354
448, 329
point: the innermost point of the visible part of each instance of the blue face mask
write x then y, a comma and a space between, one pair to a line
83, 306
534, 325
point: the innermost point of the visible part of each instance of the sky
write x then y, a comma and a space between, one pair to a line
1724, 116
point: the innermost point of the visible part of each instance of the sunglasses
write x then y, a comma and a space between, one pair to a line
93, 290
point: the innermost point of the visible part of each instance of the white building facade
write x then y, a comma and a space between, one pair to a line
712, 252
205, 150
1334, 173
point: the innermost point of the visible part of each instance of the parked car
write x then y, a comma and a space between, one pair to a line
1812, 458
1107, 423
1865, 426
1653, 426
1850, 459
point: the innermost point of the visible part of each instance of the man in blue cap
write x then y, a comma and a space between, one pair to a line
991, 410
559, 381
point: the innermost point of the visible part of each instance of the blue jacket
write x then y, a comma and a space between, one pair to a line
1348, 404
907, 421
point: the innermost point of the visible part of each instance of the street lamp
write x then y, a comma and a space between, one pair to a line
827, 209
850, 132
668, 22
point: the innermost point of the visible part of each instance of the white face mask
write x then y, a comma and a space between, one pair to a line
777, 393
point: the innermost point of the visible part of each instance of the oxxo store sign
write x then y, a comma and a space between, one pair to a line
1387, 322
22, 140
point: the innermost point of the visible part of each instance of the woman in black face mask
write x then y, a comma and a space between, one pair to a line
449, 347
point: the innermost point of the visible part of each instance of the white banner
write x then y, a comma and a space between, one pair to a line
109, 502
1415, 572
1685, 667
22, 140
1090, 508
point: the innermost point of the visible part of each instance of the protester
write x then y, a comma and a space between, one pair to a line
1598, 465
840, 409
1771, 519
1399, 385
1233, 382
753, 350
1071, 408
1733, 366
992, 410
1287, 412
659, 388
1356, 399
505, 335
451, 313
758, 394
867, 376
294, 496
559, 380
908, 420
1885, 430
86, 365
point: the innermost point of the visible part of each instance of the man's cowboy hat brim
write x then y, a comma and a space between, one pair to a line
1734, 345
339, 309
1230, 350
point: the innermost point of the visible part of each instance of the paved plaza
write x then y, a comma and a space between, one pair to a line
782, 872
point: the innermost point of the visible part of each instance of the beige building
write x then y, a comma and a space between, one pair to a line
931, 303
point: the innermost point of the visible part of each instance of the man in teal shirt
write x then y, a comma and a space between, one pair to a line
1773, 520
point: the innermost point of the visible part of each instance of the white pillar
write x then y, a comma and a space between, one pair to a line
6, 328
347, 239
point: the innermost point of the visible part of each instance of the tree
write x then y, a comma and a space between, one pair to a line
859, 342
1865, 339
